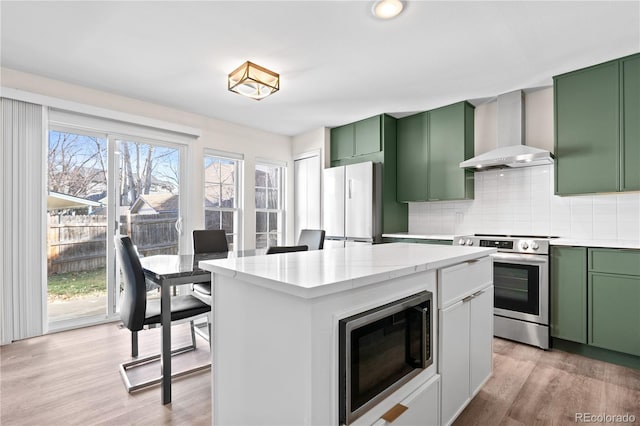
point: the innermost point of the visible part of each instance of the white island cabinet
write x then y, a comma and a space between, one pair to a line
275, 329
466, 333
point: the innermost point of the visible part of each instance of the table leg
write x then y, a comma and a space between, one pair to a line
165, 317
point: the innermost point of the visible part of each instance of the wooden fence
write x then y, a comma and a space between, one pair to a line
78, 243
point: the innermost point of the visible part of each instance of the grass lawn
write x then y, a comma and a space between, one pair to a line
74, 285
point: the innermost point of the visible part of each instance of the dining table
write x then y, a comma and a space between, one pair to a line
168, 271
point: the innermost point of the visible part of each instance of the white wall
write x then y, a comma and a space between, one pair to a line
216, 134
317, 139
522, 201
539, 119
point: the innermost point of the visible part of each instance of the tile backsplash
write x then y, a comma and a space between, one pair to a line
521, 201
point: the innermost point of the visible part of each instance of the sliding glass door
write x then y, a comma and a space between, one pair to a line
100, 186
77, 174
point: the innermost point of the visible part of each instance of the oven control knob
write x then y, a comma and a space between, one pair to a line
462, 242
535, 246
469, 242
524, 245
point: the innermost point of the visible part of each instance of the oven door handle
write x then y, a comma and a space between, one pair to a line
523, 258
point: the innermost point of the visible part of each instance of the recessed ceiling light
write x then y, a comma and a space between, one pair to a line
386, 9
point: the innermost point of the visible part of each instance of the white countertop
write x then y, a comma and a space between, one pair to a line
320, 272
630, 244
418, 236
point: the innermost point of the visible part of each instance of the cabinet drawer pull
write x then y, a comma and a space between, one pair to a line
473, 261
394, 413
466, 299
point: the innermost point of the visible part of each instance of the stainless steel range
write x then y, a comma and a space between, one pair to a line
521, 285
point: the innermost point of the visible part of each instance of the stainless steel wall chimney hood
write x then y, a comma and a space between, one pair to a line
511, 151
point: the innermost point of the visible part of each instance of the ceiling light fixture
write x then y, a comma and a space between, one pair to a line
254, 81
386, 9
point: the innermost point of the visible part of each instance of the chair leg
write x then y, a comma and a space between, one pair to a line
193, 333
134, 344
145, 360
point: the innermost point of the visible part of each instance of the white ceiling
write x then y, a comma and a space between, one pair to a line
337, 62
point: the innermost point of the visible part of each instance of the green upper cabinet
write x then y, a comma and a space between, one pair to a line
630, 71
450, 143
412, 157
431, 146
373, 139
360, 138
587, 125
597, 128
342, 142
367, 136
568, 293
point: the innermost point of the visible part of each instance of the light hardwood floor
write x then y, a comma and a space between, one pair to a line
530, 386
72, 378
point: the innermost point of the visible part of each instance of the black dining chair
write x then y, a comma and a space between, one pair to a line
137, 312
208, 241
312, 238
285, 249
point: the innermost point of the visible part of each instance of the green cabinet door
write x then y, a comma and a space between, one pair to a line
342, 142
587, 125
630, 78
450, 142
412, 158
568, 293
614, 316
367, 136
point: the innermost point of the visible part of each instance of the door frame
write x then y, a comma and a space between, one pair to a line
303, 156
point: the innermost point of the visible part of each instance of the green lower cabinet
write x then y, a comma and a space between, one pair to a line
568, 293
614, 312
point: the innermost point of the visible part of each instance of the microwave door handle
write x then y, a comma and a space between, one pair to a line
423, 315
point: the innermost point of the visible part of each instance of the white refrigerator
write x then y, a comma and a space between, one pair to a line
352, 204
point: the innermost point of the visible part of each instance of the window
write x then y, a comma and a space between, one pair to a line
269, 205
222, 195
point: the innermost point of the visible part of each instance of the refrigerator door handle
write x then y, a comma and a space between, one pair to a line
349, 187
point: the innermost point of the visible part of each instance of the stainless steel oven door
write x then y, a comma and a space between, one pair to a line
521, 286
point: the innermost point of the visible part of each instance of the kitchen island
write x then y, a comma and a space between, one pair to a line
275, 323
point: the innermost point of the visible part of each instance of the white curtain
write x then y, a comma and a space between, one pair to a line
22, 235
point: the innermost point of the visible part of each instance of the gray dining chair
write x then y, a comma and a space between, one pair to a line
312, 238
286, 249
138, 312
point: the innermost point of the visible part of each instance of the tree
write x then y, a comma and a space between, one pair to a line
76, 164
146, 168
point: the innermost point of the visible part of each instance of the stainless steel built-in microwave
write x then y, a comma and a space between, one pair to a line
380, 350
